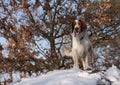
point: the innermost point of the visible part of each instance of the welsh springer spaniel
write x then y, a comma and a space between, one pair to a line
81, 45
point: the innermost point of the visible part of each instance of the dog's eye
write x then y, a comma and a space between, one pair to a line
74, 23
79, 23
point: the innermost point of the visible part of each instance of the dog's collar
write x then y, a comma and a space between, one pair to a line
82, 35
81, 38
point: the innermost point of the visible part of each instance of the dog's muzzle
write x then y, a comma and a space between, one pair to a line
77, 30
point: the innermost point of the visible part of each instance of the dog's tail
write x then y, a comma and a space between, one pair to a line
67, 51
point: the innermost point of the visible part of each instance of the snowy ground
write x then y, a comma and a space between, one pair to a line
75, 77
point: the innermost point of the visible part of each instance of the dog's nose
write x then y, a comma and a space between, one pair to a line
76, 29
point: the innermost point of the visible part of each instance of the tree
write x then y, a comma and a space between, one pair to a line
25, 23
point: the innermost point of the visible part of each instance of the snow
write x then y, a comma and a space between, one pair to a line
113, 74
4, 77
75, 77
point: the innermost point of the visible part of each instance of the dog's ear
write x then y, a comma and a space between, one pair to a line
73, 24
83, 25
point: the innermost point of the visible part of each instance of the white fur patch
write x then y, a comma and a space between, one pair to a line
77, 23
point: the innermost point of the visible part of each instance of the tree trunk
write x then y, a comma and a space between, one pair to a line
53, 55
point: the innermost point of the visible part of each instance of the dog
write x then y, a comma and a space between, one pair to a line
81, 46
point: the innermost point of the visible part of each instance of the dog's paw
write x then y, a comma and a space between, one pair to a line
88, 68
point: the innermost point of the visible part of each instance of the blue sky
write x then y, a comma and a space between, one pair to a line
3, 41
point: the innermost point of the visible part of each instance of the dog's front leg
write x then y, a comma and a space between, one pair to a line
75, 61
83, 63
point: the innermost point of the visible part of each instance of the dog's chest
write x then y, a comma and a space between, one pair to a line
77, 46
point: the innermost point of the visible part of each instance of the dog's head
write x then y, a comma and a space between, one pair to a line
78, 26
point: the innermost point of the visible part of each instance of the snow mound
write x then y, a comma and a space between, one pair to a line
113, 75
75, 77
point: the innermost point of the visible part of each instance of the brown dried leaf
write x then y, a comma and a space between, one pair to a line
15, 7
23, 3
37, 4
1, 48
11, 42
